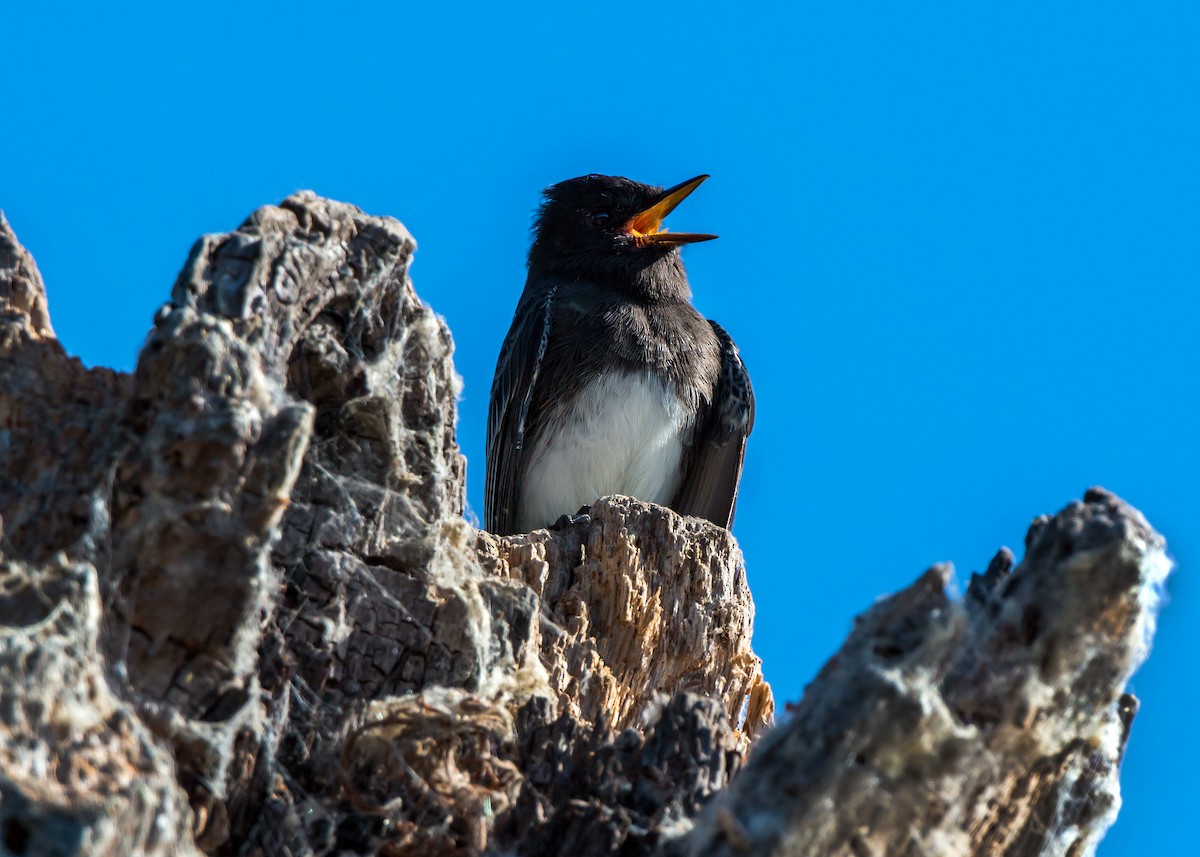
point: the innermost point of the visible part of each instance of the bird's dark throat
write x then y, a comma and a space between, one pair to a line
647, 273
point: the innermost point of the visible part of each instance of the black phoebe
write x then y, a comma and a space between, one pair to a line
609, 381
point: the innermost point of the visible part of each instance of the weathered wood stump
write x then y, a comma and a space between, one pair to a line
241, 613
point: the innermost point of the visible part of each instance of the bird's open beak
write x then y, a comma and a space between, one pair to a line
646, 225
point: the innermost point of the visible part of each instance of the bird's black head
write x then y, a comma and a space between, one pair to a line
610, 228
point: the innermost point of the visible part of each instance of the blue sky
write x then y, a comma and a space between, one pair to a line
958, 246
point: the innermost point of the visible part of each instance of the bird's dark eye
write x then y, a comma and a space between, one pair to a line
599, 218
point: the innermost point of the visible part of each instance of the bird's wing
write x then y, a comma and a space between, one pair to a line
517, 370
714, 462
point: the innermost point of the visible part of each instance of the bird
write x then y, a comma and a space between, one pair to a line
609, 380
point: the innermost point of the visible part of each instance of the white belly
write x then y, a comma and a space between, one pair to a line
623, 435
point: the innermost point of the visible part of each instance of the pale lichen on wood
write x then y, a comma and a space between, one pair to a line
241, 613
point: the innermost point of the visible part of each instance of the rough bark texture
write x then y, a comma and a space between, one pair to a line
994, 726
241, 613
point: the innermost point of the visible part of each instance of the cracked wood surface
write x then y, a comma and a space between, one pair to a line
241, 613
